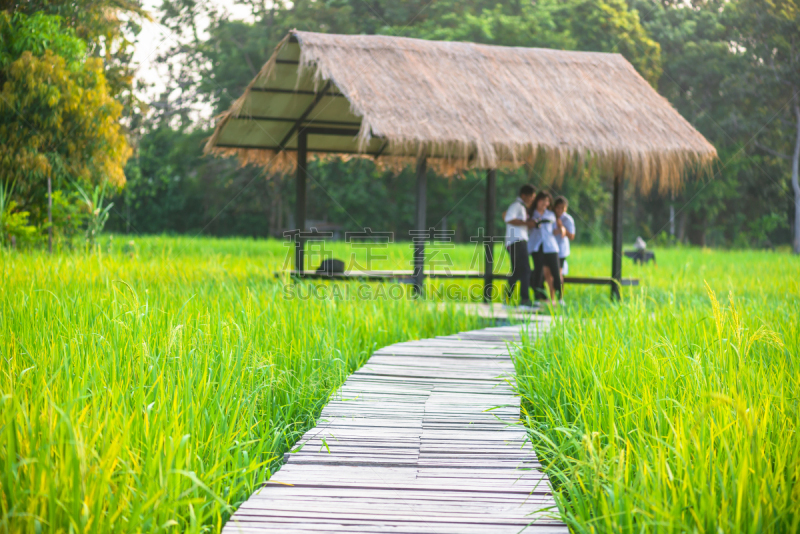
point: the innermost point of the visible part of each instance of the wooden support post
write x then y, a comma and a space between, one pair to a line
420, 225
300, 201
488, 245
616, 231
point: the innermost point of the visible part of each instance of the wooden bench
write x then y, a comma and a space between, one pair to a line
408, 276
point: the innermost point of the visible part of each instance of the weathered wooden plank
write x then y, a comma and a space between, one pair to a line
303, 527
478, 501
399, 516
389, 495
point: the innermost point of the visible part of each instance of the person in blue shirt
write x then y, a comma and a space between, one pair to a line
564, 231
543, 248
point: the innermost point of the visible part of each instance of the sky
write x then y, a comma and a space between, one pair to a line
155, 39
152, 40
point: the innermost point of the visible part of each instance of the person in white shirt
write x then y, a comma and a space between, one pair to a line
564, 232
516, 242
543, 247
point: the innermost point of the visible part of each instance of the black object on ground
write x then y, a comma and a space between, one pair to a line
331, 266
641, 256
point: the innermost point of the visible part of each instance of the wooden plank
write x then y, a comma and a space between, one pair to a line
414, 498
291, 525
400, 515
277, 492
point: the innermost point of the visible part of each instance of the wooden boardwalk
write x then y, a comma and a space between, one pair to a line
422, 439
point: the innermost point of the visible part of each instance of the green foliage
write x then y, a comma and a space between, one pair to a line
14, 227
20, 33
230, 58
768, 32
691, 45
706, 78
108, 27
674, 411
96, 211
611, 26
173, 188
234, 52
154, 391
164, 190
68, 218
170, 188
59, 120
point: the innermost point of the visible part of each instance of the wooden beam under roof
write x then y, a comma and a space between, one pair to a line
292, 91
305, 114
293, 119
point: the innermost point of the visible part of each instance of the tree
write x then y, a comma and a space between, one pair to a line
107, 27
769, 33
36, 34
57, 118
705, 78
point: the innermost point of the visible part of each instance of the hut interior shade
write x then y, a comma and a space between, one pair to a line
462, 105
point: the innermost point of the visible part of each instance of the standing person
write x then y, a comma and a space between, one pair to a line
543, 247
564, 232
516, 218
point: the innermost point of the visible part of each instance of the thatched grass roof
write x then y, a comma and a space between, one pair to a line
464, 105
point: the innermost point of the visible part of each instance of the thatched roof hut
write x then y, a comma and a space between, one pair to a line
456, 106
463, 105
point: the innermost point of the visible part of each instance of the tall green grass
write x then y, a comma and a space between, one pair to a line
152, 388
679, 409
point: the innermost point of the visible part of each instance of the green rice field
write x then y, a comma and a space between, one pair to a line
679, 410
151, 389
152, 385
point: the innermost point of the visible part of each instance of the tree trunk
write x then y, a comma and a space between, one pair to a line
796, 179
50, 215
682, 226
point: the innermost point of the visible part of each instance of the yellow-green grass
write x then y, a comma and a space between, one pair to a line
153, 388
679, 273
679, 409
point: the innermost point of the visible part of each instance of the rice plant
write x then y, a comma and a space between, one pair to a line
153, 389
152, 385
677, 410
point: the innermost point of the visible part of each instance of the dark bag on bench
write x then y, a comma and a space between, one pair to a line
331, 266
